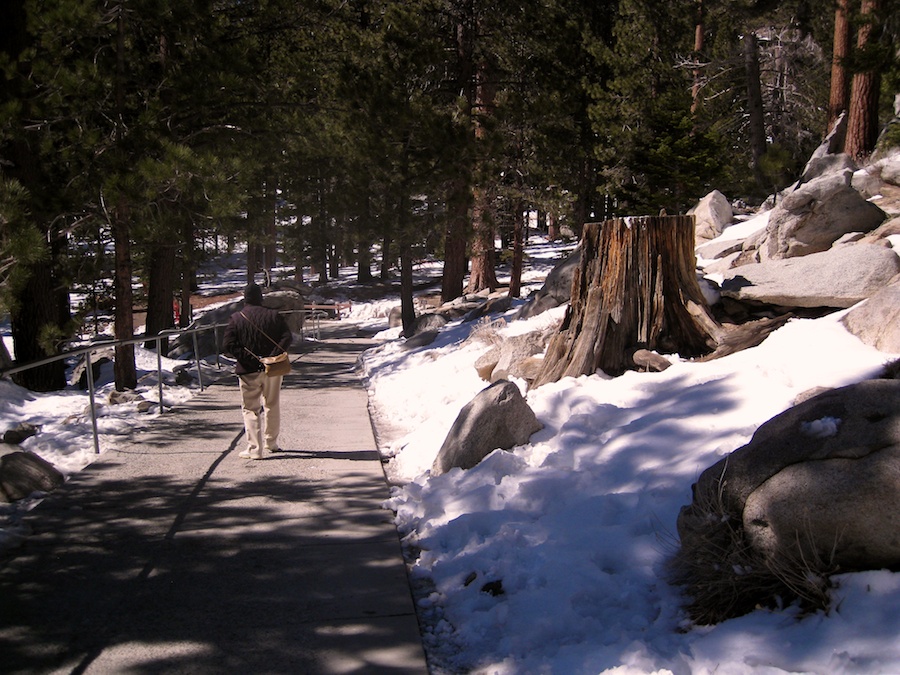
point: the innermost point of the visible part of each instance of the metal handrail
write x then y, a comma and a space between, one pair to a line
89, 349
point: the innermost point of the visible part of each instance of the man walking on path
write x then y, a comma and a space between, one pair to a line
257, 331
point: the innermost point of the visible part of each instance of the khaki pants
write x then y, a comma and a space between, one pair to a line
258, 392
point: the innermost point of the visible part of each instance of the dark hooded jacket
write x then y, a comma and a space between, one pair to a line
247, 330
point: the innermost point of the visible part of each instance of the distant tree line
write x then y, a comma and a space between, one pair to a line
317, 131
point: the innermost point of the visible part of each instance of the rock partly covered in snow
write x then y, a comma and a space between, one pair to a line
831, 512
815, 215
498, 417
712, 214
509, 358
22, 473
828, 157
840, 277
20, 432
877, 321
820, 481
557, 288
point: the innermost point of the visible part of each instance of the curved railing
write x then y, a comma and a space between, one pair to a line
312, 317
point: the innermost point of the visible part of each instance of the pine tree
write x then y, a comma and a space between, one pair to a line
762, 91
651, 150
840, 88
869, 58
32, 195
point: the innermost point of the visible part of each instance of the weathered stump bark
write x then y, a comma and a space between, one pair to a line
636, 288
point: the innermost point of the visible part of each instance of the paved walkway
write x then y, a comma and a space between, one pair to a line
172, 555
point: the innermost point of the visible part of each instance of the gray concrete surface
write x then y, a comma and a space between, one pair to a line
172, 555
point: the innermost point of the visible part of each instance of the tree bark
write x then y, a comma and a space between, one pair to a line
160, 293
319, 243
837, 101
862, 120
124, 367
363, 263
698, 48
518, 251
407, 308
188, 272
755, 111
386, 258
482, 274
36, 307
584, 197
254, 255
552, 227
270, 248
36, 310
335, 249
459, 199
364, 250
455, 239
636, 288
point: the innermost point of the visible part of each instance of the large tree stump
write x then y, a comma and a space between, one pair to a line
636, 288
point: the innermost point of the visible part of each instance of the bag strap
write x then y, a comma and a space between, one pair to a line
264, 333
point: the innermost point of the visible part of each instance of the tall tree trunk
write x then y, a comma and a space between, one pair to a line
363, 262
552, 227
160, 293
257, 230
404, 227
336, 249
584, 198
755, 112
363, 243
837, 100
636, 288
482, 274
36, 311
270, 250
124, 367
254, 260
165, 274
188, 273
407, 307
459, 199
455, 240
125, 370
386, 257
518, 247
319, 243
862, 121
698, 49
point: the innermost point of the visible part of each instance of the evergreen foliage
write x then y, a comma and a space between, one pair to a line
321, 131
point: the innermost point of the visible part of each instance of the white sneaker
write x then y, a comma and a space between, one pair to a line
246, 454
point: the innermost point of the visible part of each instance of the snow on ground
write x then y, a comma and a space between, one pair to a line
66, 438
571, 531
577, 525
743, 229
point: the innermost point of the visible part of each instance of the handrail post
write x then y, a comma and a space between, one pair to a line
90, 385
159, 375
197, 359
216, 338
